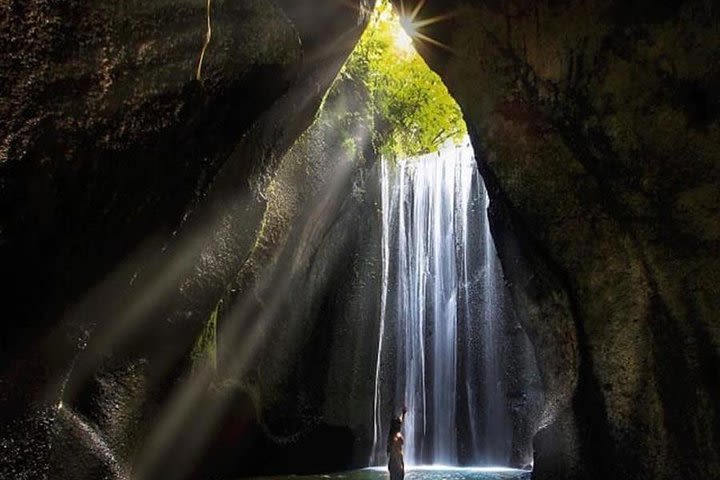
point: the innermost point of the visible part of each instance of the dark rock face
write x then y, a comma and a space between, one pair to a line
596, 125
107, 133
137, 144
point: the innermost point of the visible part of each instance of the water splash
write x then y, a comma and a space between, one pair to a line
441, 290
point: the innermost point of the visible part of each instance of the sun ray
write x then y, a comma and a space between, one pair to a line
432, 20
417, 9
431, 40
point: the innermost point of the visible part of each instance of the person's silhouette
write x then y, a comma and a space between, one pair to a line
396, 463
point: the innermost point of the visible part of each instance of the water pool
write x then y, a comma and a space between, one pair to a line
418, 473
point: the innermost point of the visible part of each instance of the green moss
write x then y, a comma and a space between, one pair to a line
204, 351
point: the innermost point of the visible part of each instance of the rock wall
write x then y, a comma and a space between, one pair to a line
138, 141
297, 332
596, 128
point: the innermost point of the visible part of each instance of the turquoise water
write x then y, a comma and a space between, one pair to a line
419, 473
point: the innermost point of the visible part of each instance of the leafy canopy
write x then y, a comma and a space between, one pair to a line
414, 112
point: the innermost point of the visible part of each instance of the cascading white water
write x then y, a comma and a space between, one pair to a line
440, 290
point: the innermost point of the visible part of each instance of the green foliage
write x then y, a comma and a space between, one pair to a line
414, 112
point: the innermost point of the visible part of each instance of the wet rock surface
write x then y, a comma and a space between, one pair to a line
130, 132
596, 128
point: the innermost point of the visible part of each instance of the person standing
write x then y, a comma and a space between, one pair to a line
396, 463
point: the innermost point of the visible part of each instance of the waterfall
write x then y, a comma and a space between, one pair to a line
438, 348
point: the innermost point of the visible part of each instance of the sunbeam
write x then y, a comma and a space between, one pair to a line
191, 413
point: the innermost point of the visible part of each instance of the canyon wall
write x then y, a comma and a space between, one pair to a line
595, 125
138, 143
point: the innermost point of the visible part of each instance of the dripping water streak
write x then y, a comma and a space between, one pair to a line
208, 36
464, 179
444, 312
405, 326
385, 202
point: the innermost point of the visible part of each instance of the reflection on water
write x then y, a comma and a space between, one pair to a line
419, 473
